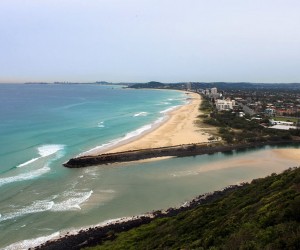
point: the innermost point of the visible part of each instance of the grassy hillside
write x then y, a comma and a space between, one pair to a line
262, 215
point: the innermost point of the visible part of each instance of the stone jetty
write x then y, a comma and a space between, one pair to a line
172, 151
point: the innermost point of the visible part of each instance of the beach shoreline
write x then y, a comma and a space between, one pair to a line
96, 234
177, 126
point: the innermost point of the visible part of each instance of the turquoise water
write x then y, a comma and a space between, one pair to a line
44, 125
42, 120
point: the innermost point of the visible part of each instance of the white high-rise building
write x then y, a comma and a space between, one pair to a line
188, 86
224, 104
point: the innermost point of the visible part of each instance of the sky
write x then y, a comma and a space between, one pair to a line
145, 40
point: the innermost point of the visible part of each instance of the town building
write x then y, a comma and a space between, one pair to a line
270, 112
224, 104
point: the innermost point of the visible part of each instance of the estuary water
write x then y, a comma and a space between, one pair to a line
42, 126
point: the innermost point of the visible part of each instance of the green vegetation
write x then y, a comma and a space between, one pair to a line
262, 215
240, 129
150, 85
286, 119
206, 106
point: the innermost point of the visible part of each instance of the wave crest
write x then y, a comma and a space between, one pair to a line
24, 176
140, 114
44, 151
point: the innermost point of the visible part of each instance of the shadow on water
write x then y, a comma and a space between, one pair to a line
295, 145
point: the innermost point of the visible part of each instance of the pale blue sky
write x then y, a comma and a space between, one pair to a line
143, 40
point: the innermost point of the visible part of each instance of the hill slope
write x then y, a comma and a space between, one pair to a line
262, 215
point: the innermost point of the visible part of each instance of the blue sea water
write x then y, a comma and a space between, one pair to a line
39, 121
42, 126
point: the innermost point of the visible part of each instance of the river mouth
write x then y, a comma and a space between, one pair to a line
98, 194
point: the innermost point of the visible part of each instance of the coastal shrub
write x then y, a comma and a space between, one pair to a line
206, 105
203, 116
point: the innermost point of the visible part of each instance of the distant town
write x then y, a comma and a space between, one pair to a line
281, 108
273, 105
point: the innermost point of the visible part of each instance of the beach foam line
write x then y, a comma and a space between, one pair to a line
24, 176
108, 222
128, 137
169, 109
31, 243
132, 135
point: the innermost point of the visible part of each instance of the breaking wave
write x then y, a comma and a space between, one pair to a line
129, 136
69, 201
73, 201
44, 151
168, 110
24, 176
35, 207
140, 114
100, 125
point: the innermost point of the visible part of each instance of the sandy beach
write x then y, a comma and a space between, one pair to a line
290, 153
179, 128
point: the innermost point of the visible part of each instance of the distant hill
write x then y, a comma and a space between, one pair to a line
155, 85
262, 215
219, 85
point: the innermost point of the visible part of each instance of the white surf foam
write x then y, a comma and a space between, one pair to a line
28, 162
163, 103
168, 110
35, 207
92, 171
140, 114
143, 129
73, 202
100, 125
51, 149
25, 244
127, 137
131, 135
24, 176
44, 151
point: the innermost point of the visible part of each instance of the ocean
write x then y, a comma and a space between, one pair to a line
42, 126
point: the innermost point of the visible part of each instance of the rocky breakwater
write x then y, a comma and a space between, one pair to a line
175, 151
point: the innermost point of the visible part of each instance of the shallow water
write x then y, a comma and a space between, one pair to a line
40, 198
